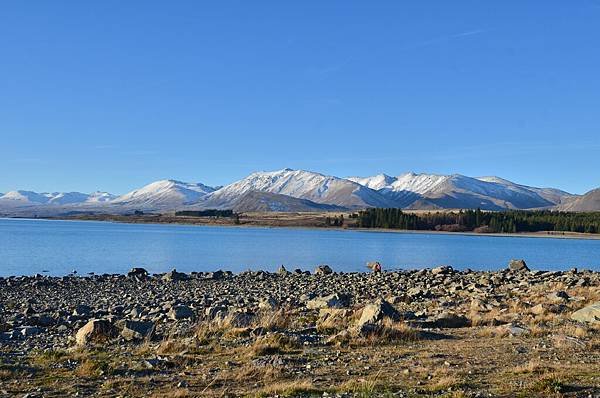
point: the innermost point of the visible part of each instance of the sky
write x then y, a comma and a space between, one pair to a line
112, 95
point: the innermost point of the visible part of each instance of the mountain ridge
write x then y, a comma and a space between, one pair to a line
302, 190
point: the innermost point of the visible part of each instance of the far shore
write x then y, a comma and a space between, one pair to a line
315, 221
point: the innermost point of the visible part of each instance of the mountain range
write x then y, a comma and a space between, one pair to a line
300, 190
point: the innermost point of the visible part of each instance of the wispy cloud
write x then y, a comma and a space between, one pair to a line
140, 152
442, 39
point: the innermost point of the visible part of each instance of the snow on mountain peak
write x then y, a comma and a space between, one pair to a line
164, 193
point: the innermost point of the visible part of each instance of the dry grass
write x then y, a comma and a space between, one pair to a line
272, 344
6, 374
289, 389
90, 368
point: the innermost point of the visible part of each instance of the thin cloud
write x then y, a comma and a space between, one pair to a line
442, 39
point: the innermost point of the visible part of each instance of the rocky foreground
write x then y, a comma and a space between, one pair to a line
435, 332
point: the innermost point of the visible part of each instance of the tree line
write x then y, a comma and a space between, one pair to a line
479, 221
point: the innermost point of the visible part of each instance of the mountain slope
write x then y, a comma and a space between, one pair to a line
266, 201
302, 184
431, 191
163, 194
588, 202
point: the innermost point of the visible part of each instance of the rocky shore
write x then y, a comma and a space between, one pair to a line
434, 332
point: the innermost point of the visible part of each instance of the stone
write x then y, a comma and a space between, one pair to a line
323, 270
137, 330
450, 320
96, 331
217, 275
268, 304
174, 276
282, 270
137, 273
215, 311
30, 331
558, 297
334, 300
517, 265
179, 312
43, 320
374, 266
241, 319
563, 340
82, 310
590, 314
376, 312
543, 308
334, 318
511, 330
442, 270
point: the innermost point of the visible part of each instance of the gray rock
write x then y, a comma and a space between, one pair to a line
590, 314
82, 310
268, 304
442, 270
450, 320
96, 331
376, 312
181, 312
517, 265
174, 276
323, 270
30, 331
215, 311
511, 330
558, 297
282, 270
334, 300
137, 273
137, 330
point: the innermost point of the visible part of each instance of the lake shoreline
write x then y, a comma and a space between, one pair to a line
269, 224
288, 332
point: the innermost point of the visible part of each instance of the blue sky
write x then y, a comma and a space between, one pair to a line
112, 95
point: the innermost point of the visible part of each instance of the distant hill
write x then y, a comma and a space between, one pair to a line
588, 202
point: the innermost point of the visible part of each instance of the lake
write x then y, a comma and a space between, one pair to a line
57, 247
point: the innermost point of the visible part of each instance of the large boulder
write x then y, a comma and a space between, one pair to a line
517, 265
590, 314
137, 330
334, 300
450, 320
179, 312
376, 312
268, 304
174, 276
442, 270
137, 272
334, 318
323, 270
96, 331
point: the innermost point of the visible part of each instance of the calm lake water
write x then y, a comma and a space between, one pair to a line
58, 247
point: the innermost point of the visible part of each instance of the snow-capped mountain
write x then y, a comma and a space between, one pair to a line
100, 197
301, 184
30, 198
300, 190
430, 191
25, 197
256, 201
163, 194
